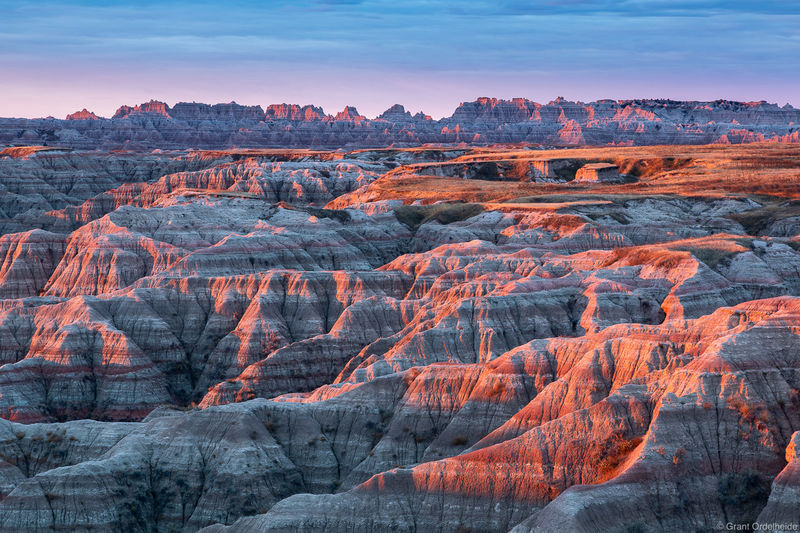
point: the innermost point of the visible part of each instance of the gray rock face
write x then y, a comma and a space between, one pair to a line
32, 188
62, 192
781, 508
207, 342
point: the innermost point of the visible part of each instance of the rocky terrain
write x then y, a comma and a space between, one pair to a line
423, 339
156, 125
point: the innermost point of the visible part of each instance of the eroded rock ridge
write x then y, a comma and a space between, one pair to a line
398, 340
156, 125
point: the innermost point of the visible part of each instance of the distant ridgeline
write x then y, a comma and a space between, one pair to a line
485, 121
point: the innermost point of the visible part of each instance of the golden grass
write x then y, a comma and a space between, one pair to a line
277, 154
757, 220
765, 169
414, 216
25, 151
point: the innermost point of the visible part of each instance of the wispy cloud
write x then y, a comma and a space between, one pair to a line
741, 47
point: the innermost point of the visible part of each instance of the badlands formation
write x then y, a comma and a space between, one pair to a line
156, 125
427, 339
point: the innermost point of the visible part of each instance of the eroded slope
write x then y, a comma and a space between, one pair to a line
211, 345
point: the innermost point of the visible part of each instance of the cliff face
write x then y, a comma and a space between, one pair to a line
271, 340
485, 121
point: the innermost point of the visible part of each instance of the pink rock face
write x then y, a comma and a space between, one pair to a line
349, 114
29, 260
152, 107
82, 115
571, 133
262, 340
294, 112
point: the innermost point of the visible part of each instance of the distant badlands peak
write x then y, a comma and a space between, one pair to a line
397, 110
236, 112
153, 107
398, 113
83, 114
350, 113
228, 112
294, 112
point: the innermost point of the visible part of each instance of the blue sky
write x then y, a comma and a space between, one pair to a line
56, 57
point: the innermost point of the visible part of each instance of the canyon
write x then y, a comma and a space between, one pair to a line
224, 318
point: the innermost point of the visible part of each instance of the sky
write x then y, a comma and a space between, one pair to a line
429, 55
